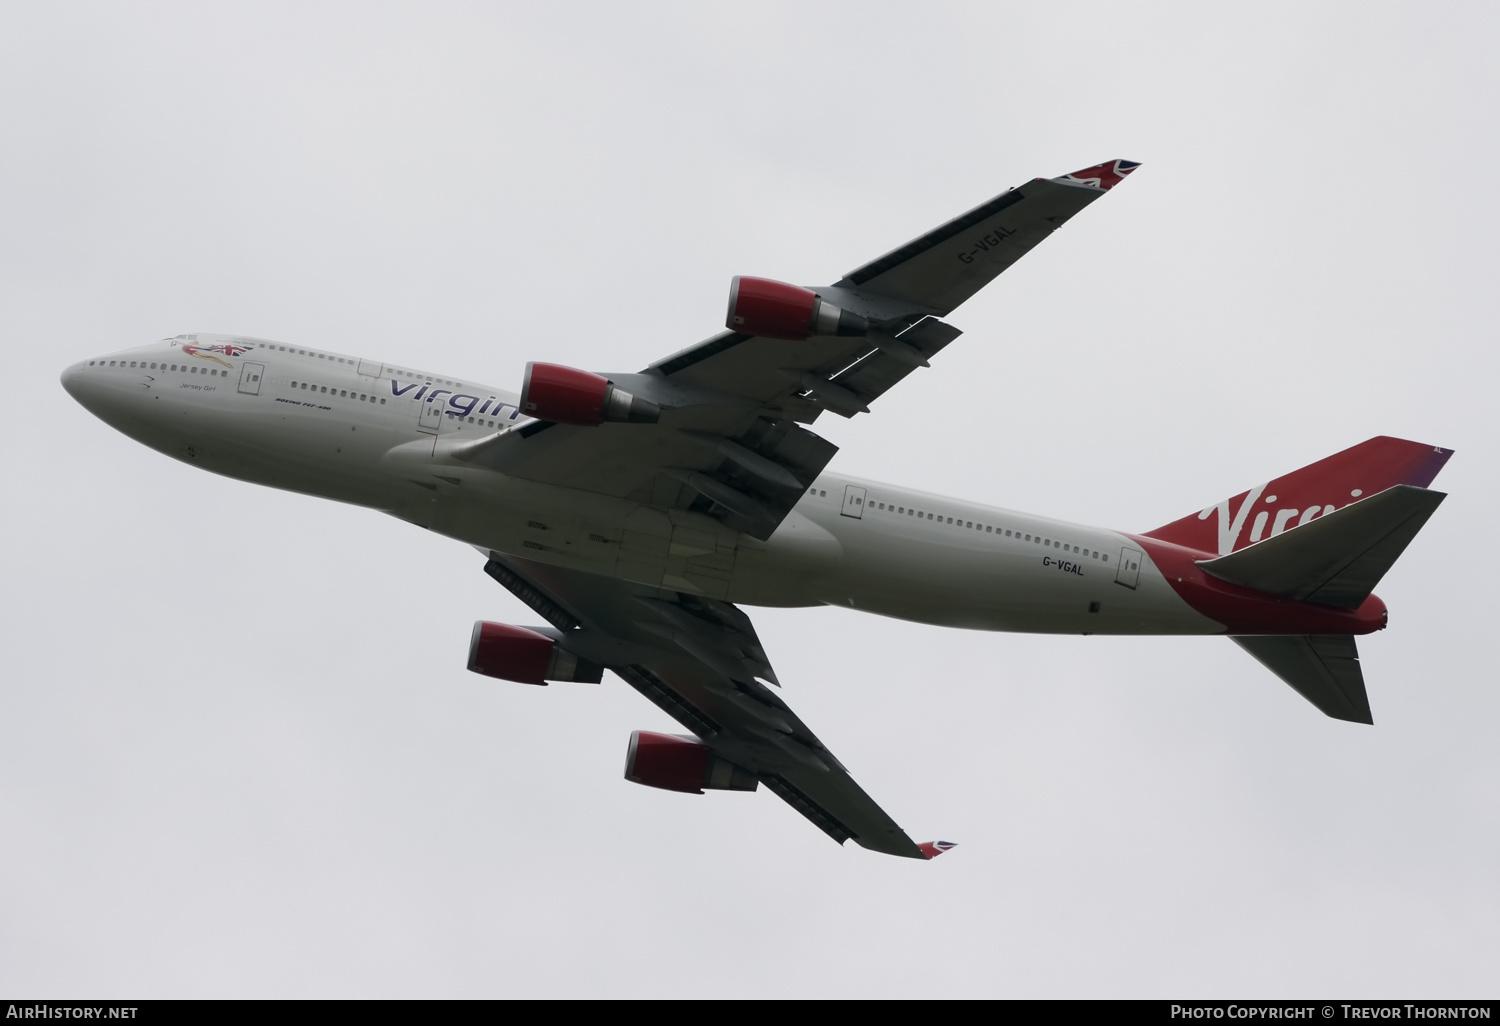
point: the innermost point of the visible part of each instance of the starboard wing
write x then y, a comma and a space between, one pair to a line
701, 663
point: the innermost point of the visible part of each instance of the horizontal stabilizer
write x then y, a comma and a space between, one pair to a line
1322, 668
1337, 559
1315, 490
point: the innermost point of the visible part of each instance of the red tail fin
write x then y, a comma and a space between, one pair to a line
1296, 498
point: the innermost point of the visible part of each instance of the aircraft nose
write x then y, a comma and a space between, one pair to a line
100, 390
75, 381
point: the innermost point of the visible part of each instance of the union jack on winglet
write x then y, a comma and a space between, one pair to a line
932, 849
1103, 176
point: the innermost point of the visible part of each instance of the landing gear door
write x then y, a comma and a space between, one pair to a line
250, 375
1129, 570
854, 502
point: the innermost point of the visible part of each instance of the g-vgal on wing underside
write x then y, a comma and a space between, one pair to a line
714, 460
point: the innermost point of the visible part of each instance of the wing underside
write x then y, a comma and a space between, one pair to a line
731, 445
731, 442
700, 662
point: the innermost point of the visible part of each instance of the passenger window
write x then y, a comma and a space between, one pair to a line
1105, 558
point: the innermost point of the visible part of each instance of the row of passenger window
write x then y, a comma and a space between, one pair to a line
991, 529
333, 358
342, 392
143, 365
429, 378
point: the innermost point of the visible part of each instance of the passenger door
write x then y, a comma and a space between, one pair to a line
250, 375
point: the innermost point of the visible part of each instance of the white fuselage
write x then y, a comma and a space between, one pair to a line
369, 433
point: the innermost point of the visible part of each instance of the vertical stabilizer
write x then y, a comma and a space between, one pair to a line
1300, 497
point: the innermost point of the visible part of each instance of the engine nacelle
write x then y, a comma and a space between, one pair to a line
526, 656
760, 306
566, 395
675, 762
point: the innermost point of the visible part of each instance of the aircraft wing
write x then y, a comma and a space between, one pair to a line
699, 660
730, 441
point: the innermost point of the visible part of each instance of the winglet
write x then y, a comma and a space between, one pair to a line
932, 849
1102, 176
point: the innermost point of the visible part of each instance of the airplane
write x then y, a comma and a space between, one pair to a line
636, 513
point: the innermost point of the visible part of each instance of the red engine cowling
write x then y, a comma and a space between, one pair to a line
760, 306
566, 395
526, 656
674, 762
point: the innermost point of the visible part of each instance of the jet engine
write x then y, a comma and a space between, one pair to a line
759, 306
526, 656
565, 395
675, 762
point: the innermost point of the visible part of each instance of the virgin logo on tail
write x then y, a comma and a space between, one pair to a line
1231, 527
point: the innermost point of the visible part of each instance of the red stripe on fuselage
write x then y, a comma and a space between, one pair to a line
1246, 611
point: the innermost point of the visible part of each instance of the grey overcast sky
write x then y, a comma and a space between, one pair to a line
242, 756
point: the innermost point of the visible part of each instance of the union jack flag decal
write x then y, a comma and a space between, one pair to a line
205, 352
1104, 176
932, 849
